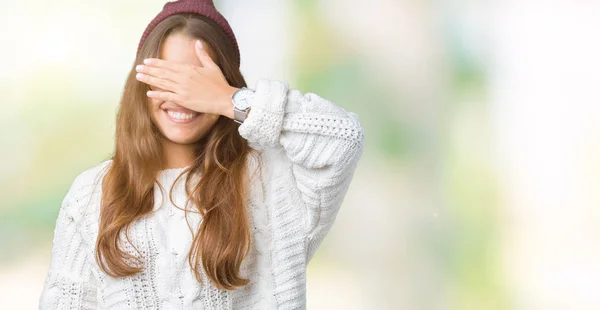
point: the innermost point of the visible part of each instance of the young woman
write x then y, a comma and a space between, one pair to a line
217, 195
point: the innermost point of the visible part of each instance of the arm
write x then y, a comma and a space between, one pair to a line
322, 140
69, 283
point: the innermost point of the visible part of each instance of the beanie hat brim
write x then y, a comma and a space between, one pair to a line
202, 7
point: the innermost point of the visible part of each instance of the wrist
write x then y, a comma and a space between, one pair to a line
227, 103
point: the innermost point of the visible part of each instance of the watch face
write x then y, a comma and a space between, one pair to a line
242, 98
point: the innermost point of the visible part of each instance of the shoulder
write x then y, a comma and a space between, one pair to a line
91, 174
84, 188
88, 178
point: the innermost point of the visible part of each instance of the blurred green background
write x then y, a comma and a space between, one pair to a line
478, 185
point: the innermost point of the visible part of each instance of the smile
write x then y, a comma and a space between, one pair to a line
180, 117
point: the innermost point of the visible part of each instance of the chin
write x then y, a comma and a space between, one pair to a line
183, 139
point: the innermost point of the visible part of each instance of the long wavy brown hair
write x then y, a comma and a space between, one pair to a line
223, 238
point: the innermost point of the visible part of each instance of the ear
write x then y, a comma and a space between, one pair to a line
203, 56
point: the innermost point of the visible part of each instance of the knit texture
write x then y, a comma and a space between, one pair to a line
309, 148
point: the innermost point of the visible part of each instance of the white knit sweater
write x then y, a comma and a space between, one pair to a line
310, 148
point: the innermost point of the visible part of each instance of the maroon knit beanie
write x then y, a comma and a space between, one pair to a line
202, 7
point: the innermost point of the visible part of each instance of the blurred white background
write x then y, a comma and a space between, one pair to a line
478, 187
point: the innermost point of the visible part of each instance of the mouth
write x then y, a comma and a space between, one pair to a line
182, 117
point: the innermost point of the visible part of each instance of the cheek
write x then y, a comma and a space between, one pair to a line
154, 103
154, 108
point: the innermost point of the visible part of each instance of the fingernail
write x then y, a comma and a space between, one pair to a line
139, 68
139, 76
147, 61
198, 43
150, 93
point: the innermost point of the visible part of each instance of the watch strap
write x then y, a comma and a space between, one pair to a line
239, 116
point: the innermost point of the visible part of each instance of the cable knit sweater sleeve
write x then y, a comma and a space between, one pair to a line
322, 141
69, 283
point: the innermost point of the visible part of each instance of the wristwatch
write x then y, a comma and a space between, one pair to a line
242, 101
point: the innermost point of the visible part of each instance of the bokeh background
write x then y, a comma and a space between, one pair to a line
478, 188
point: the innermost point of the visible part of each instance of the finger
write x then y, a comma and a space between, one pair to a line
203, 56
159, 73
165, 96
157, 82
166, 64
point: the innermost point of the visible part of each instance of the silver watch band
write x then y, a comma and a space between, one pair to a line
239, 116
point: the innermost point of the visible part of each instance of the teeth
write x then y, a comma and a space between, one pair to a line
181, 116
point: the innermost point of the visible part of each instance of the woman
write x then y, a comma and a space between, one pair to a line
217, 195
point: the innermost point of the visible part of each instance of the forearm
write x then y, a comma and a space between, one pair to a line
314, 132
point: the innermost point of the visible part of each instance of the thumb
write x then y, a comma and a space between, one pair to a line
203, 56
